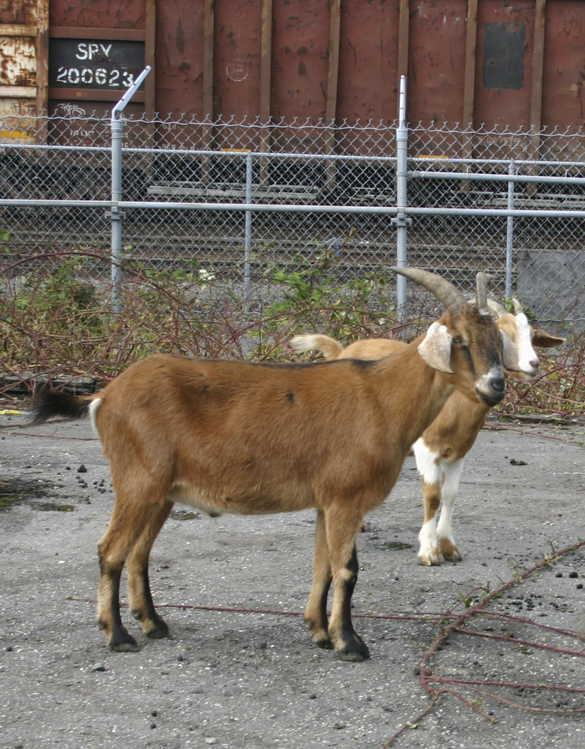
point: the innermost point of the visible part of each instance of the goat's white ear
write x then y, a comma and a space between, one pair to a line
436, 348
509, 353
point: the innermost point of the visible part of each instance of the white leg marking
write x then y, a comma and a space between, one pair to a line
452, 472
429, 468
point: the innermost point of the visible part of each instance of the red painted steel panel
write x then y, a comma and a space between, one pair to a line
129, 14
563, 100
237, 59
436, 61
179, 58
368, 59
300, 59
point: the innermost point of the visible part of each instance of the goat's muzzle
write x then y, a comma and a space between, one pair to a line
492, 387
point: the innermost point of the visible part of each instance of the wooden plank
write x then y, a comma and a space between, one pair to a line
332, 86
207, 103
42, 50
403, 41
149, 52
265, 85
333, 71
537, 74
73, 32
265, 61
91, 94
469, 84
18, 92
11, 29
470, 57
208, 34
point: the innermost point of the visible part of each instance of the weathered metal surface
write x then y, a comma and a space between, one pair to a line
23, 25
481, 63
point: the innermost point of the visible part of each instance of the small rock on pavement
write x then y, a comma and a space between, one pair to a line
98, 667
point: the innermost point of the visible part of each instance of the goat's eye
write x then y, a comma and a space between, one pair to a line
458, 340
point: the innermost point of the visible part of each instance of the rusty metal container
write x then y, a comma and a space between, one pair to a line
491, 63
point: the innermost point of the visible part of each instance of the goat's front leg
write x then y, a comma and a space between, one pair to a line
342, 527
141, 604
452, 471
428, 465
316, 610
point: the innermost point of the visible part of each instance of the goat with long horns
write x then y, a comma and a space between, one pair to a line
229, 436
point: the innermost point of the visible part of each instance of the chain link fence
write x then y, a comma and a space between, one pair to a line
232, 199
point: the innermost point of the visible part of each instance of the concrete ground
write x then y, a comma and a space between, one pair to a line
245, 680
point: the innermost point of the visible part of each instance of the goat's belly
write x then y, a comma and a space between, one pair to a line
251, 503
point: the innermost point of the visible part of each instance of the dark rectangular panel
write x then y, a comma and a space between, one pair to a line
94, 63
503, 55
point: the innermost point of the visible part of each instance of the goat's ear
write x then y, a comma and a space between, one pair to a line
542, 339
436, 348
509, 353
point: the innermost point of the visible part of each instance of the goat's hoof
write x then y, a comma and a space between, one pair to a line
159, 632
352, 657
324, 642
450, 552
124, 643
430, 558
319, 635
354, 649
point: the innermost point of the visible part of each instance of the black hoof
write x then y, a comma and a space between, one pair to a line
159, 632
354, 649
353, 656
319, 635
324, 643
124, 644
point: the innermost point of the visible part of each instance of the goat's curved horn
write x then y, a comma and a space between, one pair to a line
482, 279
445, 292
518, 308
496, 308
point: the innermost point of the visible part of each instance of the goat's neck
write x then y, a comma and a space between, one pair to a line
416, 400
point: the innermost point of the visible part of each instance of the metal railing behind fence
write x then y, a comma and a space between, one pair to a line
385, 195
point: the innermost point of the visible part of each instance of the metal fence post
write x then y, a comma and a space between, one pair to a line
401, 199
248, 225
510, 231
117, 128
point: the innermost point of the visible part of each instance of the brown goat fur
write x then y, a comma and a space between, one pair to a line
227, 436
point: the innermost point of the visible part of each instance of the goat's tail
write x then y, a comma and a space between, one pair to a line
322, 343
49, 403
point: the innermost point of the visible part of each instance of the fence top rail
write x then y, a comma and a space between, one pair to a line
503, 177
445, 161
271, 208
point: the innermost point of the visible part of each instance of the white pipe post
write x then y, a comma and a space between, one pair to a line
510, 231
401, 199
248, 225
117, 128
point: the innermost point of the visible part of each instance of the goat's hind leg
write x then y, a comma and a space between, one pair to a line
316, 610
342, 527
141, 603
131, 514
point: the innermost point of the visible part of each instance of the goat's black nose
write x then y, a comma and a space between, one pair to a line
498, 384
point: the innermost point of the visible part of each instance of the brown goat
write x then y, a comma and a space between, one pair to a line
228, 436
440, 451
